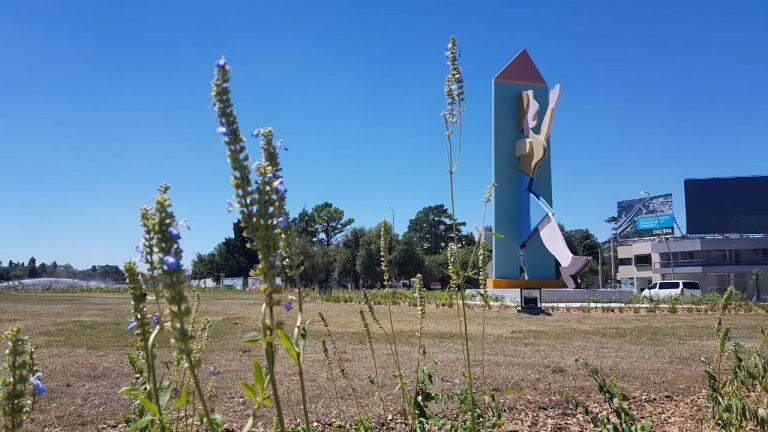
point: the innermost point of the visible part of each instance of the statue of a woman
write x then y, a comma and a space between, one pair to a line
530, 151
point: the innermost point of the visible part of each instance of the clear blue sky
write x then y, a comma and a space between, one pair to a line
104, 100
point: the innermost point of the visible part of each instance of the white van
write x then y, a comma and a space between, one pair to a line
670, 288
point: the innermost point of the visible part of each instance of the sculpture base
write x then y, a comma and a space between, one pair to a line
524, 283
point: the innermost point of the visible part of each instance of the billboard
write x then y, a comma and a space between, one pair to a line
645, 217
727, 205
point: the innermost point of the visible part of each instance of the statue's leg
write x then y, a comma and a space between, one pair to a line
553, 240
555, 243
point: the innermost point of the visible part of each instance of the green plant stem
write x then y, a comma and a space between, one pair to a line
150, 362
482, 370
269, 354
397, 359
296, 330
416, 385
460, 283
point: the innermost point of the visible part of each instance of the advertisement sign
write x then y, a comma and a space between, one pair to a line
645, 217
654, 222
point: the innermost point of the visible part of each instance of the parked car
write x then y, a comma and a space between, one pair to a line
670, 288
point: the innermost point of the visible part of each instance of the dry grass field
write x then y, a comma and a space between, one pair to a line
82, 342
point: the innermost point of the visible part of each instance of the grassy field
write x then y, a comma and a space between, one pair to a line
82, 342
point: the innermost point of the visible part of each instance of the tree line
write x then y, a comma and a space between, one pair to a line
336, 253
17, 270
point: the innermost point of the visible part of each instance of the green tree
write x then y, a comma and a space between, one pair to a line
304, 225
346, 257
431, 229
318, 262
582, 242
32, 271
368, 258
329, 222
230, 258
408, 260
436, 270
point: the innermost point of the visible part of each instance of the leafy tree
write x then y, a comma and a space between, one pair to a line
345, 257
408, 259
436, 270
582, 242
431, 229
204, 266
368, 258
105, 273
318, 262
230, 258
32, 271
304, 225
329, 222
344, 265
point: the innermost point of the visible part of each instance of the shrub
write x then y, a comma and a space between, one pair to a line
619, 417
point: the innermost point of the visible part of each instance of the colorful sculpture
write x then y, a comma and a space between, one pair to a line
522, 172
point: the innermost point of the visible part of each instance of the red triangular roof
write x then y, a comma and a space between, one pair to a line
521, 70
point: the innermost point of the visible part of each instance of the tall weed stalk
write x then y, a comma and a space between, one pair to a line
385, 234
261, 204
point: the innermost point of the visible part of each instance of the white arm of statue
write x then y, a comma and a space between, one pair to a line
546, 126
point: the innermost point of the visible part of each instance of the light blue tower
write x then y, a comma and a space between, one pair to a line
512, 208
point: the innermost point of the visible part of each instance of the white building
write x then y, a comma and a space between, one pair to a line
716, 263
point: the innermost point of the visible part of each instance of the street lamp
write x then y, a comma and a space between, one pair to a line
392, 261
666, 239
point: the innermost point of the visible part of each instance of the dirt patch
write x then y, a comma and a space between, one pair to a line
82, 342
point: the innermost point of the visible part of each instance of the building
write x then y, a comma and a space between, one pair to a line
729, 222
715, 262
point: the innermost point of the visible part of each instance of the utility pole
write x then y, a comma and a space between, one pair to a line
600, 267
612, 220
613, 264
392, 261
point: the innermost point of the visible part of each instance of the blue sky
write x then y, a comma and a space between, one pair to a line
104, 100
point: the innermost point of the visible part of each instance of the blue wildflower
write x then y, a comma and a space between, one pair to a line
140, 250
222, 64
281, 145
287, 305
256, 133
173, 231
155, 317
221, 130
282, 221
171, 264
37, 384
258, 165
231, 206
132, 326
279, 184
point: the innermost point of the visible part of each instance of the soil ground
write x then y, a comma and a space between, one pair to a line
82, 342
